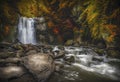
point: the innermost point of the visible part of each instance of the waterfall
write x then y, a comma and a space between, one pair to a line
26, 31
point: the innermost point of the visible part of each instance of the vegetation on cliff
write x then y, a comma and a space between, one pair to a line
81, 21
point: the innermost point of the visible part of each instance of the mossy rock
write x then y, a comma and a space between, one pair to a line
69, 42
18, 47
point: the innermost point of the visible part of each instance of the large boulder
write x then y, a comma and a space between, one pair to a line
40, 65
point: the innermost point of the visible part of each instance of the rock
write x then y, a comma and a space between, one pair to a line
113, 53
101, 45
61, 47
69, 42
40, 65
69, 59
58, 66
11, 72
19, 53
47, 49
59, 54
10, 60
7, 54
41, 24
51, 38
97, 58
42, 38
17, 46
100, 51
24, 78
31, 52
4, 45
56, 49
77, 39
76, 44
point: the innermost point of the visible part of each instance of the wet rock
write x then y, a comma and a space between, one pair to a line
97, 58
59, 54
69, 59
47, 49
40, 65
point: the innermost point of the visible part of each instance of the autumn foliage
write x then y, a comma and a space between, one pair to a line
91, 19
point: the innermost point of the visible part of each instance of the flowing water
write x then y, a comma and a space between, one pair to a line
26, 31
88, 67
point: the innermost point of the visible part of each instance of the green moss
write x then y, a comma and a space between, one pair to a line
69, 42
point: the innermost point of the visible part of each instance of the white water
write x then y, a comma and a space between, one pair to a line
87, 59
26, 31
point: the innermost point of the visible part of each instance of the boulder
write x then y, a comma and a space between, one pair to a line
9, 72
40, 65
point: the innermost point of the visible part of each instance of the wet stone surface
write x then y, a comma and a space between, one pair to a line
72, 64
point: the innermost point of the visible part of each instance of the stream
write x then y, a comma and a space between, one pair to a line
88, 67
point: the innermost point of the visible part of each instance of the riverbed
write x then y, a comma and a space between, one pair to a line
88, 67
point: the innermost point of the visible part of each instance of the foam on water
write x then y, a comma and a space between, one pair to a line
88, 60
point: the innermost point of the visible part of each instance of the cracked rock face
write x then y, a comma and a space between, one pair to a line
40, 65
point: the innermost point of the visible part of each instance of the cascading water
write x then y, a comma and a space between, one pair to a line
26, 31
88, 60
88, 66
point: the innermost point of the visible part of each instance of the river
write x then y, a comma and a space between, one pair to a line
88, 67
